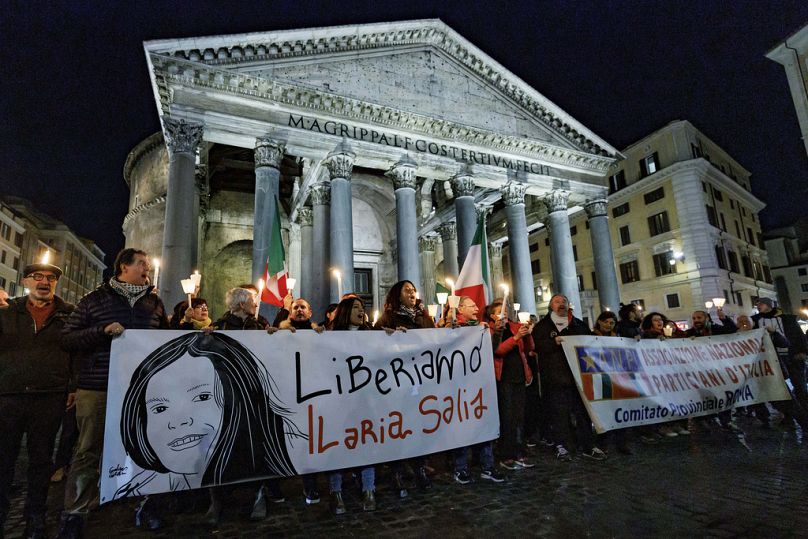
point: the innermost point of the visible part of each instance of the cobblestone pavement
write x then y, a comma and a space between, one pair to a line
705, 484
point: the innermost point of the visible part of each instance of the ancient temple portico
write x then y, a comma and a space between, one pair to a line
380, 142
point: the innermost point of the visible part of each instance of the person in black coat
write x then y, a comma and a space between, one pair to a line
126, 301
558, 384
35, 375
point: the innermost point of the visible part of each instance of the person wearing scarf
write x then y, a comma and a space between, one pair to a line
404, 311
558, 385
126, 301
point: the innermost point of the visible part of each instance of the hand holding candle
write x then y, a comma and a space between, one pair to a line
504, 312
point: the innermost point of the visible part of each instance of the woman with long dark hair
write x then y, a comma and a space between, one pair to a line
227, 425
350, 316
402, 311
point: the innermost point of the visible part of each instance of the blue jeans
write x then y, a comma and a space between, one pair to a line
461, 455
368, 480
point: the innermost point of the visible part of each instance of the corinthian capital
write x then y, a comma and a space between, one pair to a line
305, 216
448, 231
182, 136
428, 243
340, 161
403, 173
595, 208
463, 184
268, 152
321, 194
556, 200
513, 193
483, 211
495, 250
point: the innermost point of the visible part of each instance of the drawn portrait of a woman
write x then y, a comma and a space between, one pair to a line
202, 410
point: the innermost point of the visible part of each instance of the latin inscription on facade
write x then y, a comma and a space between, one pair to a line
414, 144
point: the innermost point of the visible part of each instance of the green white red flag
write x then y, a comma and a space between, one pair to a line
275, 271
473, 280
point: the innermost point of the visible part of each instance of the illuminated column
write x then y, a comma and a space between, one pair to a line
319, 294
340, 164
565, 276
305, 216
463, 188
403, 176
608, 290
182, 202
448, 236
513, 194
268, 156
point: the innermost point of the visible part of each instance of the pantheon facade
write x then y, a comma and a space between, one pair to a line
378, 145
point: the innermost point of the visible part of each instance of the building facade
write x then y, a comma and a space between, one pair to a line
684, 225
788, 253
378, 145
792, 54
11, 239
81, 259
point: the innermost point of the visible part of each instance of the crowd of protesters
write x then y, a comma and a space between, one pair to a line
54, 368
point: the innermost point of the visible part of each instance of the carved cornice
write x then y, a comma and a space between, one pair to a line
513, 193
556, 200
596, 208
305, 216
340, 161
156, 201
448, 231
403, 173
169, 71
495, 250
427, 243
182, 136
268, 152
321, 193
261, 48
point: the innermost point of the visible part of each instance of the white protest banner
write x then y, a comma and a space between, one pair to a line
187, 410
625, 383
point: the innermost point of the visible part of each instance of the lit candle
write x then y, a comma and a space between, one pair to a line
46, 257
338, 275
290, 284
504, 301
188, 287
375, 317
196, 277
156, 264
260, 291
451, 286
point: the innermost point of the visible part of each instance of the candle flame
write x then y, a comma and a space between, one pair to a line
46, 257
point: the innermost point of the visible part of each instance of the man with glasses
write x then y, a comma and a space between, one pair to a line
34, 378
124, 302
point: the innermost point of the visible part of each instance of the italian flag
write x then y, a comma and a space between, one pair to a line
473, 280
275, 271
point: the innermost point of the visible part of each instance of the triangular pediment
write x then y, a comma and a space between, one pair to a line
416, 67
423, 81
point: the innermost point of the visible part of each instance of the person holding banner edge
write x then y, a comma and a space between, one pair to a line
403, 311
559, 389
467, 315
124, 302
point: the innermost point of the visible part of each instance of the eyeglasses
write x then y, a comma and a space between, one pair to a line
40, 276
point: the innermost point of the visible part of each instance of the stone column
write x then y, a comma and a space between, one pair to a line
305, 216
268, 155
448, 235
513, 194
495, 255
319, 294
180, 235
565, 276
403, 176
608, 290
463, 187
427, 246
340, 163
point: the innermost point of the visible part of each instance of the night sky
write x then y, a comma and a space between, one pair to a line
76, 96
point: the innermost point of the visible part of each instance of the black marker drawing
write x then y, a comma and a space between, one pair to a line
202, 410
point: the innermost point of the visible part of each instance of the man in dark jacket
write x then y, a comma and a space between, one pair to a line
791, 346
125, 302
34, 379
558, 384
703, 324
